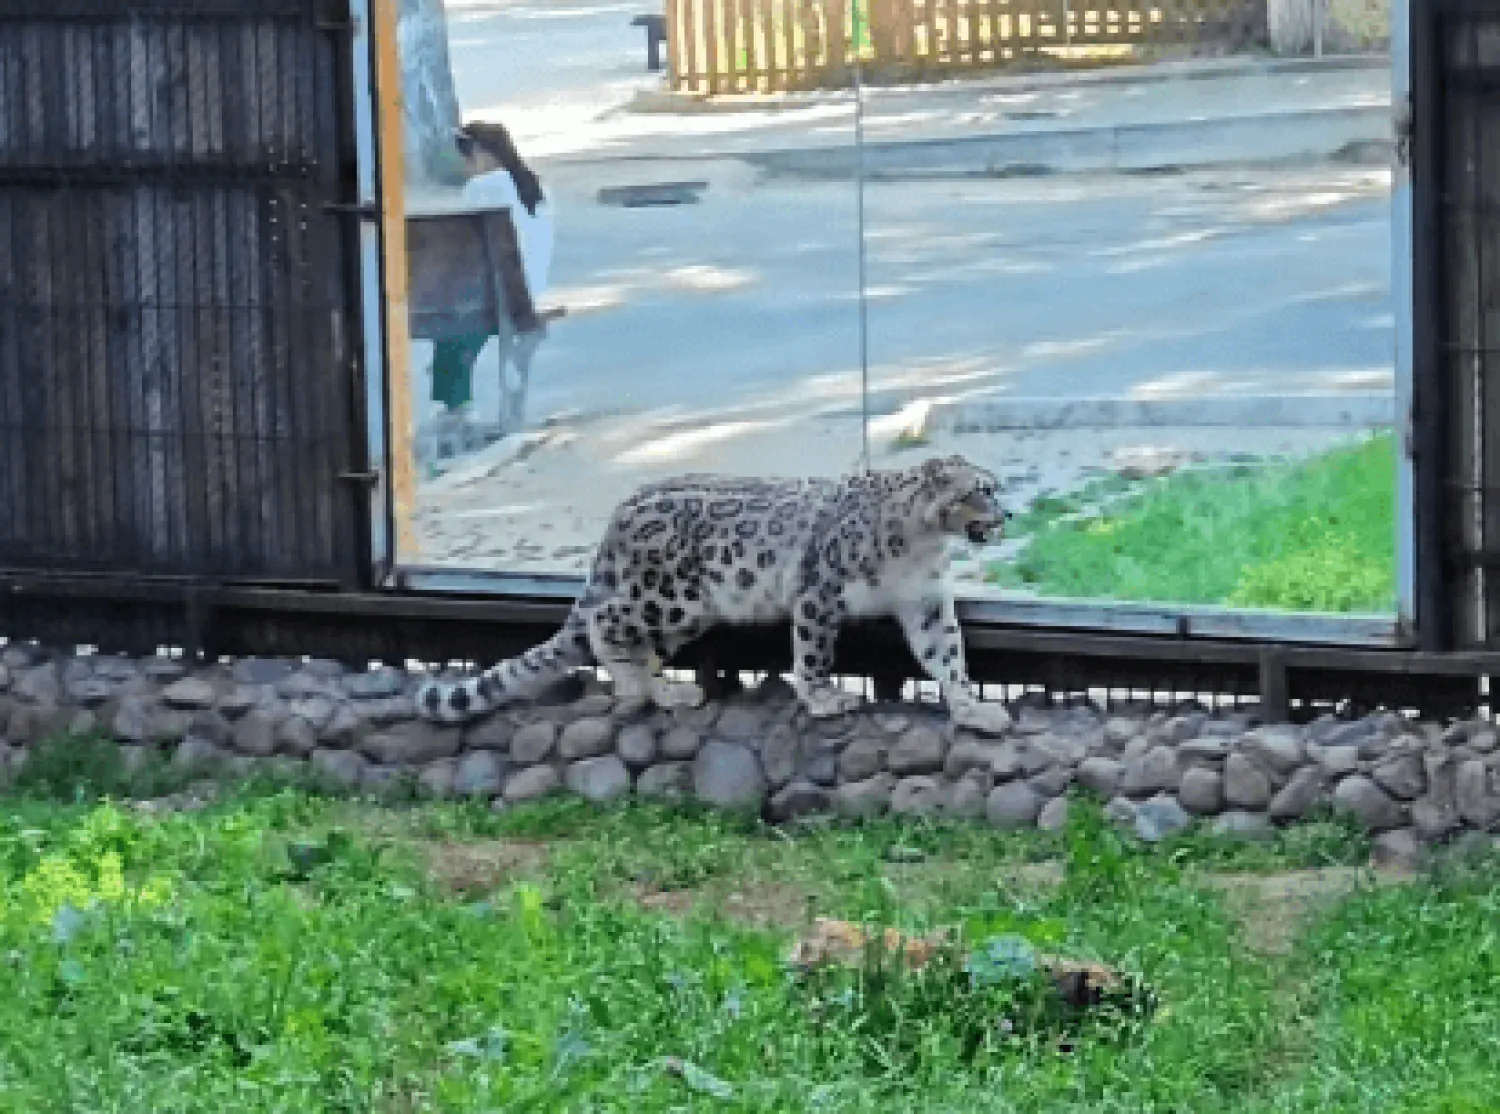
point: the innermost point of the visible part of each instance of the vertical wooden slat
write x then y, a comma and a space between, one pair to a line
391, 126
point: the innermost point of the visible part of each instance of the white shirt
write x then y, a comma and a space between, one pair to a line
533, 233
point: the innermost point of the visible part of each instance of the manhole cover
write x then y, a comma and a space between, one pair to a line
652, 194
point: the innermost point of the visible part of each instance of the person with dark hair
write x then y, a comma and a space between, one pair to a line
498, 176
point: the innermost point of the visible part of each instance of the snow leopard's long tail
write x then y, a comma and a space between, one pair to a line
517, 678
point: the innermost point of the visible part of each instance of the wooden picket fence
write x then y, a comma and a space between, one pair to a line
767, 46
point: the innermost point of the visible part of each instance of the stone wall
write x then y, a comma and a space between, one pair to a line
1158, 771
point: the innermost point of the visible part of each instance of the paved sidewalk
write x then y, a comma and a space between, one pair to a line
1149, 117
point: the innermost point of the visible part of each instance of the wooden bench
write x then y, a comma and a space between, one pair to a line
465, 280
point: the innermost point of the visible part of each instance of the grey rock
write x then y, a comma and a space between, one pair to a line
968, 753
798, 799
84, 722
163, 671
491, 733
1119, 731
681, 743
115, 670
637, 744
1099, 775
318, 711
1336, 760
238, 701
1055, 749
1246, 785
586, 738
1239, 824
259, 671
198, 754
89, 692
1433, 820
669, 780
209, 727
861, 759
1483, 741
1399, 850
325, 669
296, 737
1120, 811
1202, 791
1054, 815
1006, 761
1205, 748
892, 723
969, 798
871, 797
343, 768
728, 775
1441, 769
1014, 805
1298, 796
384, 713
4, 678
1476, 801
740, 722
920, 750
778, 755
1403, 776
822, 765
1329, 732
480, 773
1136, 748
38, 685
190, 694
1277, 748
1159, 818
436, 779
1361, 798
1155, 771
387, 782
532, 783
533, 743
18, 656
412, 744
133, 720
600, 779
1051, 782
299, 686
919, 796
343, 729
378, 684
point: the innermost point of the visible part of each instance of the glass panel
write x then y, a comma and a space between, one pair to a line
710, 288
1144, 276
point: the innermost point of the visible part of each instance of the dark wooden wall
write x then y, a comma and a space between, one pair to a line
177, 315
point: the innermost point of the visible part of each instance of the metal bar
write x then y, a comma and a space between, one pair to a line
1428, 448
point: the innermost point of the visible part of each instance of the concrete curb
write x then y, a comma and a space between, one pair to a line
1365, 410
1357, 133
662, 102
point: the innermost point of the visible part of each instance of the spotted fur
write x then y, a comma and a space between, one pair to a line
684, 555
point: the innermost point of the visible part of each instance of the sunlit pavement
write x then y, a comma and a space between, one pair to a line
723, 335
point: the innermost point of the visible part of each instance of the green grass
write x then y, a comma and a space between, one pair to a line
1318, 535
283, 951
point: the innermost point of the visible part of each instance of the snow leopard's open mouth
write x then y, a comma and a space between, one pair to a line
987, 529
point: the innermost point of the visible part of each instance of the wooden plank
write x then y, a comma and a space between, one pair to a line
839, 31
390, 128
767, 9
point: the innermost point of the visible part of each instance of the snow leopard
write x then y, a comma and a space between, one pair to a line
682, 555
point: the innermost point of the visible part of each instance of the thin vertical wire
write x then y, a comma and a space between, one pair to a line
859, 219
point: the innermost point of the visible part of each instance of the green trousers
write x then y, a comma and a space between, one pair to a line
453, 369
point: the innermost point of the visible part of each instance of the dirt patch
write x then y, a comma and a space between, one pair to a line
1275, 908
758, 905
482, 866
